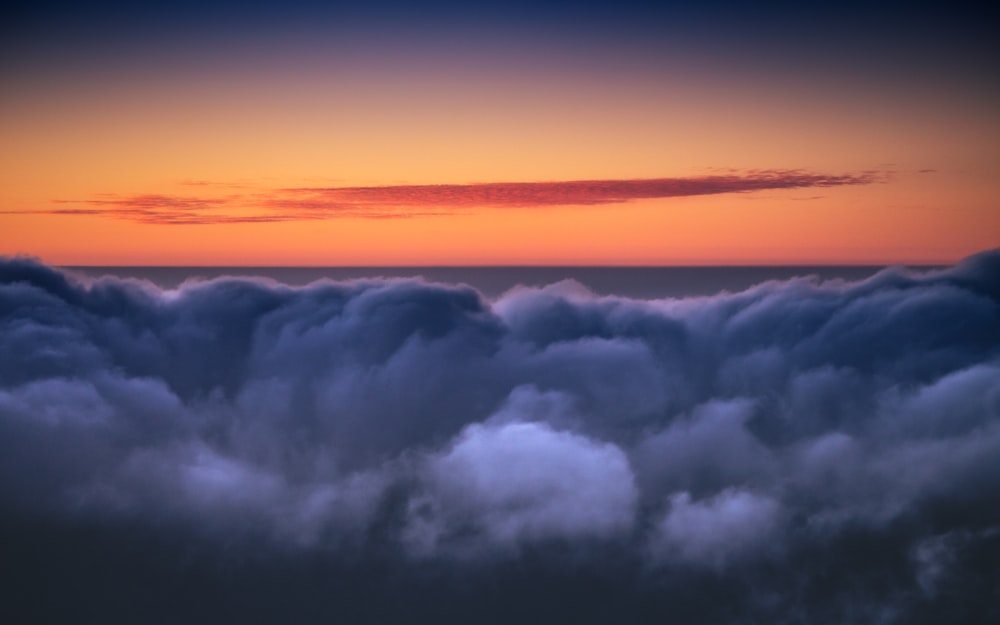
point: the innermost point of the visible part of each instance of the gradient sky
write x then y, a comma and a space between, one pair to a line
458, 133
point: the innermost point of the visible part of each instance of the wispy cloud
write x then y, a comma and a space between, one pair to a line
561, 193
408, 201
145, 208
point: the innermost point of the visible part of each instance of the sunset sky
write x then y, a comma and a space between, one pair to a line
595, 133
604, 311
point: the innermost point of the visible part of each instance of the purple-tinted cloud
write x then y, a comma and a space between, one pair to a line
707, 456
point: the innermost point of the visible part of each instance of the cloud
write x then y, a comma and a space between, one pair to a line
801, 450
406, 201
500, 485
728, 525
565, 193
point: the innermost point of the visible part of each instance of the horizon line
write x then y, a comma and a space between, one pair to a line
521, 265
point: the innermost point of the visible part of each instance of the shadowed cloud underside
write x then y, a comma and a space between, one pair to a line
801, 451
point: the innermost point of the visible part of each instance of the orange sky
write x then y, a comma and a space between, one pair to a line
78, 143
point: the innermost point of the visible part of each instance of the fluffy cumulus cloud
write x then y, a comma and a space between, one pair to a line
396, 450
725, 526
518, 482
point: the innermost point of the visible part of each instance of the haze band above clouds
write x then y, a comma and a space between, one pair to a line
380, 202
802, 451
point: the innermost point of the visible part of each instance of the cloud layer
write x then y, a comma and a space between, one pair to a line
402, 201
376, 450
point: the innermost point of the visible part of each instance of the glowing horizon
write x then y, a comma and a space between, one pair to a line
810, 433
197, 135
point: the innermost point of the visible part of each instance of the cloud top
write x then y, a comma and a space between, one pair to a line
834, 442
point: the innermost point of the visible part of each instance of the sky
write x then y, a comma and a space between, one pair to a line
710, 446
588, 133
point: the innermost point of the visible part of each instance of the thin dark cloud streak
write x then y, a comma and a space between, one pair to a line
411, 201
576, 192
